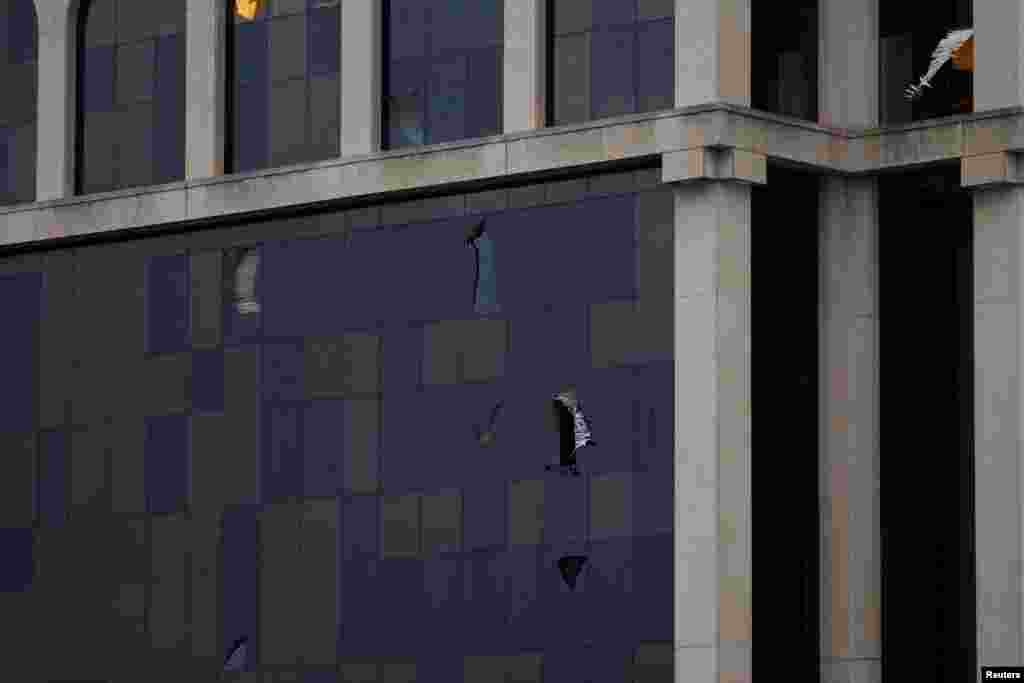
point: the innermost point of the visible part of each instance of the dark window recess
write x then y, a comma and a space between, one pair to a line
918, 47
573, 431
784, 355
485, 284
18, 73
442, 71
131, 95
927, 365
609, 59
784, 58
282, 84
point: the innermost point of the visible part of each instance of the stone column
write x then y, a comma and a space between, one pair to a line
713, 579
712, 52
998, 365
525, 73
998, 54
850, 566
361, 48
850, 569
205, 38
56, 98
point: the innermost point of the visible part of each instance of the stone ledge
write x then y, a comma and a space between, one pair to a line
751, 138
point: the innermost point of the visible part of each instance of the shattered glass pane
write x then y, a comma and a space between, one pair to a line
573, 429
245, 283
237, 655
570, 567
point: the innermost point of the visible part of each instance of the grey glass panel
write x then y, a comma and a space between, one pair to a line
324, 105
100, 131
135, 146
572, 78
484, 92
250, 127
572, 16
23, 163
655, 9
170, 16
136, 20
99, 23
136, 71
281, 7
406, 29
287, 122
448, 92
287, 47
18, 99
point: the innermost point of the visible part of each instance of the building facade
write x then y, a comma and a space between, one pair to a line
297, 293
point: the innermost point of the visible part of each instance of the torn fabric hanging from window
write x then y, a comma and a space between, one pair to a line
485, 286
573, 430
958, 45
245, 282
248, 9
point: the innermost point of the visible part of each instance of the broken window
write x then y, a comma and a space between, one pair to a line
573, 431
485, 286
245, 269
784, 63
925, 61
570, 566
237, 655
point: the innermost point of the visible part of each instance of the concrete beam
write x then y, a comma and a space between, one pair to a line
1000, 168
710, 163
998, 390
205, 35
712, 435
525, 70
712, 52
848, 63
55, 107
850, 569
998, 54
361, 52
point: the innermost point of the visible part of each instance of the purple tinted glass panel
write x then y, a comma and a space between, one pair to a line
238, 565
167, 303
208, 381
18, 567
166, 463
98, 78
20, 301
282, 452
324, 448
53, 482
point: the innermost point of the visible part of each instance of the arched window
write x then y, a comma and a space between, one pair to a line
283, 97
18, 102
131, 94
442, 70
